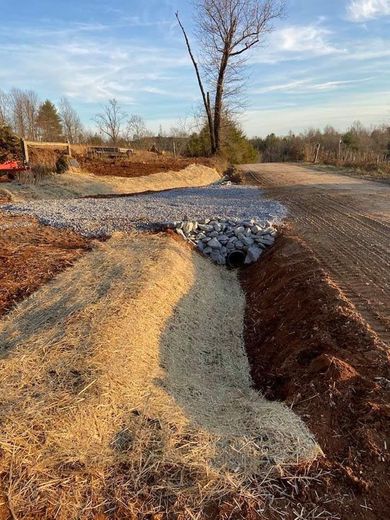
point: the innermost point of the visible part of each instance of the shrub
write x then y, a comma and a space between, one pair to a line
10, 149
236, 148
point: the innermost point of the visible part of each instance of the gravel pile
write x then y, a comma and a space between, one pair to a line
101, 217
228, 241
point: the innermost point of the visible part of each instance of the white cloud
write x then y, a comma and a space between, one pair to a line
297, 42
90, 70
364, 10
305, 39
305, 86
340, 113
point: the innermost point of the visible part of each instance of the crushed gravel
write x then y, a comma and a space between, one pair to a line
101, 217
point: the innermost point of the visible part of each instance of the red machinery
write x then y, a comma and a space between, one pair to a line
12, 167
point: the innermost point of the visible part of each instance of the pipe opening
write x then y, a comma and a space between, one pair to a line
236, 258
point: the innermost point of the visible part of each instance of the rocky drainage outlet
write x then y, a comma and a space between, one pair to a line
228, 242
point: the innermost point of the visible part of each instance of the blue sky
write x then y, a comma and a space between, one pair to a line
325, 63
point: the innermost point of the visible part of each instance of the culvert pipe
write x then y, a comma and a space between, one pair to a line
236, 258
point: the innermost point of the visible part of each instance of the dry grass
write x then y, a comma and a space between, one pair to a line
70, 185
125, 391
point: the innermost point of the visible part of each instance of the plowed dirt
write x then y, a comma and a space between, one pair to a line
309, 347
346, 222
30, 255
141, 164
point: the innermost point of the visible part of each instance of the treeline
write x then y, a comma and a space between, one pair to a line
357, 147
37, 120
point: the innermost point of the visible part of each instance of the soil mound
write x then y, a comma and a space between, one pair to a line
139, 165
125, 391
308, 347
73, 185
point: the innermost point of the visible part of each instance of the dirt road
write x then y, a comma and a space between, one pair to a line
346, 222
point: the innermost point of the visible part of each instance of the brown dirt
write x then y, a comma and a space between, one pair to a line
346, 221
141, 164
30, 255
309, 347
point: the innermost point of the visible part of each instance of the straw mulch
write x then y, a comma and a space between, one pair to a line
125, 391
80, 184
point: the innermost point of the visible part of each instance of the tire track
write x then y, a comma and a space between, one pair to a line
352, 245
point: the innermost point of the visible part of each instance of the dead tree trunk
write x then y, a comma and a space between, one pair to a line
206, 98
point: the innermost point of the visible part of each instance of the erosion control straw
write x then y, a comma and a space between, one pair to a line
125, 388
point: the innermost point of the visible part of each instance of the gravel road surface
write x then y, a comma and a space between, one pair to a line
100, 217
346, 222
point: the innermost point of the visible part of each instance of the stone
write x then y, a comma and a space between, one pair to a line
248, 241
268, 240
207, 250
218, 227
201, 246
223, 239
188, 227
213, 234
238, 244
205, 227
253, 255
215, 244
256, 229
239, 230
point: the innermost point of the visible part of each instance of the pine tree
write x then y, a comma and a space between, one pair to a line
49, 122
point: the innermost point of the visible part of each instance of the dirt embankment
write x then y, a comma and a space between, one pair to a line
346, 222
32, 254
73, 185
140, 164
309, 347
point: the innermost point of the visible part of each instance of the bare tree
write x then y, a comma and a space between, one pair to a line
4, 108
110, 121
24, 107
136, 127
226, 31
70, 120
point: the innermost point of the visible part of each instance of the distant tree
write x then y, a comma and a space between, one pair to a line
4, 108
93, 138
136, 128
110, 121
227, 30
49, 123
70, 120
10, 148
24, 107
236, 148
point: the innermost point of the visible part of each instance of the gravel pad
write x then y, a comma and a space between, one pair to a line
100, 217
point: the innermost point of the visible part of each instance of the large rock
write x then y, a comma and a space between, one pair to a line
188, 227
253, 255
215, 244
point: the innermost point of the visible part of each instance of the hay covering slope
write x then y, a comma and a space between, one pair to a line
125, 389
71, 185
